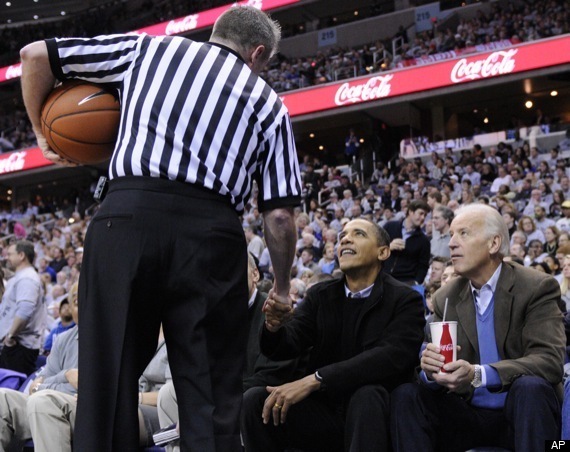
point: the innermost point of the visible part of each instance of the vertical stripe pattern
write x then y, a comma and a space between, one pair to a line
192, 112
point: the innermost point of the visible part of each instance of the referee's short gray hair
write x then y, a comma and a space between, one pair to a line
248, 27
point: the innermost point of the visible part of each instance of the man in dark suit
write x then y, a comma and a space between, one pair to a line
260, 370
363, 333
392, 199
503, 388
411, 248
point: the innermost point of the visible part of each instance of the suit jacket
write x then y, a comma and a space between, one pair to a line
386, 342
412, 262
387, 202
528, 324
260, 370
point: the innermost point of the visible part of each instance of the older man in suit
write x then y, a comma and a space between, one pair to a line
504, 388
363, 334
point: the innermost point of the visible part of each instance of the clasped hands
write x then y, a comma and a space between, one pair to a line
278, 309
458, 376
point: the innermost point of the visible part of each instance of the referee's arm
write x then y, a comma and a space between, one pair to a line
37, 82
280, 237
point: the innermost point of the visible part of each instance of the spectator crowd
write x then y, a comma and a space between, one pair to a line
464, 226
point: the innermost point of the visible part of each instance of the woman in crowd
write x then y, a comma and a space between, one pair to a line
555, 209
527, 225
551, 234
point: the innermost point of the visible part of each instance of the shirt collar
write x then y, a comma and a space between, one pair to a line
364, 293
228, 49
252, 299
491, 284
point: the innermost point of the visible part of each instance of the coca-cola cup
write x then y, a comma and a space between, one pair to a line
444, 335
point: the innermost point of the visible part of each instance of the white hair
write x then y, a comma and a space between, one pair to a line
494, 224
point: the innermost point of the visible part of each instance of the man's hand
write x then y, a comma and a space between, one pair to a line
278, 310
458, 378
432, 360
9, 341
397, 245
282, 397
35, 385
72, 377
49, 154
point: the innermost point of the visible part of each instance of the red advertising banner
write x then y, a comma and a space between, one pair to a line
521, 58
207, 18
196, 21
22, 160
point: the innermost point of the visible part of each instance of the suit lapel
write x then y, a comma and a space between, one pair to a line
466, 316
503, 305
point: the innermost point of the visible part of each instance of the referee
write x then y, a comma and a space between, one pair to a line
198, 126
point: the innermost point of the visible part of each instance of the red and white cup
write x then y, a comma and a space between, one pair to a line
444, 335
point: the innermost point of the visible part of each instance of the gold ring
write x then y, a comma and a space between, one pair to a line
277, 406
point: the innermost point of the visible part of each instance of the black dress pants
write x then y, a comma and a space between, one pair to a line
162, 251
316, 424
19, 358
423, 420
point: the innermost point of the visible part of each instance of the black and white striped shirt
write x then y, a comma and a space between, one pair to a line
192, 112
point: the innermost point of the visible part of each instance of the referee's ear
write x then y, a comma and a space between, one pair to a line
257, 59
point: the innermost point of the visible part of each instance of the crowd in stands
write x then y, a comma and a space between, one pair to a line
517, 22
530, 188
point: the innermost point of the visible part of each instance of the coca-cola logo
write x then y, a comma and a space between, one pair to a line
255, 3
14, 71
15, 162
187, 23
446, 347
497, 63
374, 88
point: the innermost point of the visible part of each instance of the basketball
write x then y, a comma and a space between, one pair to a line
80, 121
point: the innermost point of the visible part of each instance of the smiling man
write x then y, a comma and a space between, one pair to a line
503, 388
409, 261
363, 333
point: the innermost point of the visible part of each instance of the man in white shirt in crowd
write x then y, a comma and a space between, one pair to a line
22, 311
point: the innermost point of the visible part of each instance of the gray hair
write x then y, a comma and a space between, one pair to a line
300, 286
446, 213
248, 27
494, 224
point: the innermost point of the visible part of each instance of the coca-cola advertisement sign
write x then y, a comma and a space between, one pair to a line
205, 19
22, 160
497, 63
14, 71
373, 88
187, 23
420, 79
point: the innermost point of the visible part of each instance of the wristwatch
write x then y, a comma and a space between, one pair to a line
477, 379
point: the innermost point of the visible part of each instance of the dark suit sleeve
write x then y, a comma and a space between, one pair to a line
542, 339
274, 373
293, 339
423, 263
395, 354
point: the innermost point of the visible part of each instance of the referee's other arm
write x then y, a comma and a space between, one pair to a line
37, 82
